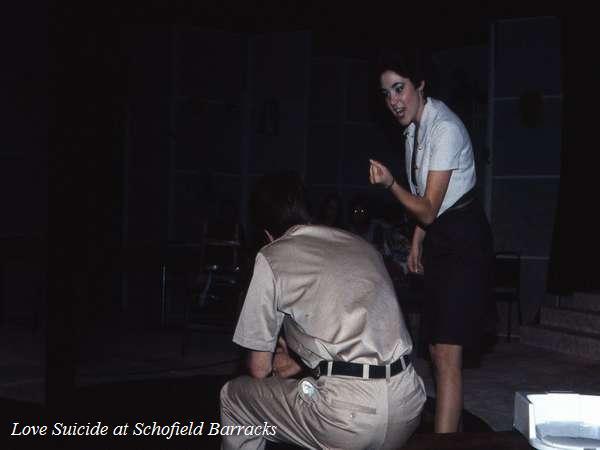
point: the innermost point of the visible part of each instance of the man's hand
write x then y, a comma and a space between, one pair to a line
284, 365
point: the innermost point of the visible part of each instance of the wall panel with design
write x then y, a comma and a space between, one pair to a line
526, 145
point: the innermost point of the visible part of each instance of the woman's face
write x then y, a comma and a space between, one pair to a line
402, 98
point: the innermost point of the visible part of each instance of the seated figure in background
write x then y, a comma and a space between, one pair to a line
397, 238
363, 224
383, 234
321, 299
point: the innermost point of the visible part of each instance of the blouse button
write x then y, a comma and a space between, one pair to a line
420, 147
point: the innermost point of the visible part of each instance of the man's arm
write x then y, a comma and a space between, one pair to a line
260, 363
281, 363
260, 321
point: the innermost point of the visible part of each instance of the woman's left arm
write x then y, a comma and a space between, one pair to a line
426, 208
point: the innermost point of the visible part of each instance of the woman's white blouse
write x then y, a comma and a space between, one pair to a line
443, 143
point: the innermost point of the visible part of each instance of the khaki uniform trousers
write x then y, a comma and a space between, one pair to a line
329, 413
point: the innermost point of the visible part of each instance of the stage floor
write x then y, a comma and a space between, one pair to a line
113, 357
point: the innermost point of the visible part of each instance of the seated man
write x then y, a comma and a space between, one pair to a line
328, 293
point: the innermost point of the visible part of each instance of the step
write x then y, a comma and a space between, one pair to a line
586, 301
571, 319
584, 345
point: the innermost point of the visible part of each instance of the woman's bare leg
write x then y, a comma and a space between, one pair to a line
447, 363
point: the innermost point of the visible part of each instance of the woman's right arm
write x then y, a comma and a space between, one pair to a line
425, 208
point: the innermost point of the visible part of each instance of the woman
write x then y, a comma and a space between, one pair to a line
452, 244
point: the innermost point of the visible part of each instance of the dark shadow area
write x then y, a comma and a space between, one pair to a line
145, 144
142, 403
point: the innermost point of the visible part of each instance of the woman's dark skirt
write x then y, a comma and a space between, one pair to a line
457, 258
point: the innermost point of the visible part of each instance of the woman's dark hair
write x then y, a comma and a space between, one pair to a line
414, 64
278, 202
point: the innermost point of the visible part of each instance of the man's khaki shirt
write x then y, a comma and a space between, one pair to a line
332, 294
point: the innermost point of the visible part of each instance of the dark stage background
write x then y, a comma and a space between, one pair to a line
119, 170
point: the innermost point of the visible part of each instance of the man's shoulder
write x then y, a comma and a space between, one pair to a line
308, 237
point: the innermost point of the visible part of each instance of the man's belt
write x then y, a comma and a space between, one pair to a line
366, 371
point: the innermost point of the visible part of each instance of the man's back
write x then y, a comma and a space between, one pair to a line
329, 293
334, 295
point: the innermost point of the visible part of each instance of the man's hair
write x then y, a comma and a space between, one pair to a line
278, 203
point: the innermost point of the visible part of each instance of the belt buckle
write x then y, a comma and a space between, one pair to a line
316, 372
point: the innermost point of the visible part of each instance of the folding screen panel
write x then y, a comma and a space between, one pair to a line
525, 138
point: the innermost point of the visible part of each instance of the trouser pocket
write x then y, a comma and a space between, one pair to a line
307, 390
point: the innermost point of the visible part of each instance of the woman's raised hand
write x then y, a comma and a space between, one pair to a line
379, 174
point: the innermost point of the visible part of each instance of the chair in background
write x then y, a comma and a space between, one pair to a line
222, 260
214, 293
411, 295
507, 284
